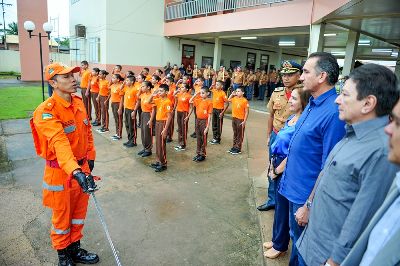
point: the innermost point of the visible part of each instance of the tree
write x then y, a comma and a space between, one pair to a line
64, 42
12, 29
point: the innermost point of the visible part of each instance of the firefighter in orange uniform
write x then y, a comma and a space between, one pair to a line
63, 137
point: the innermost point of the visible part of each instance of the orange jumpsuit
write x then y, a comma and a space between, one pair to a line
63, 137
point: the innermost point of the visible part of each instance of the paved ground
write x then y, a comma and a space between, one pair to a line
15, 83
192, 214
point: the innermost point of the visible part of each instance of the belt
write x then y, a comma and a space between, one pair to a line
54, 163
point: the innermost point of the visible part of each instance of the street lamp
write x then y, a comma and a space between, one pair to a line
29, 26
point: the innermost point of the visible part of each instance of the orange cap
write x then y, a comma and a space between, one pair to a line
57, 69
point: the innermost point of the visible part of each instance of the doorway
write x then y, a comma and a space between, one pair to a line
188, 55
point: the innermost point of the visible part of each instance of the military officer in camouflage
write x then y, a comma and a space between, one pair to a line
278, 108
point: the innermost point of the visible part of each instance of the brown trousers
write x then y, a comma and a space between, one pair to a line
147, 136
104, 111
96, 105
217, 124
201, 138
130, 126
170, 133
86, 102
182, 127
160, 143
238, 133
117, 118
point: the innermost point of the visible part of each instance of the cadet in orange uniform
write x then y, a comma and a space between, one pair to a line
128, 104
147, 116
138, 84
94, 93
104, 92
240, 112
145, 73
85, 78
182, 107
172, 87
63, 137
203, 111
117, 92
220, 104
197, 87
163, 118
118, 70
156, 82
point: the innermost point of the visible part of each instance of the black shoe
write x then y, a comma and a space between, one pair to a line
230, 150
64, 259
235, 151
160, 168
155, 165
201, 158
265, 207
196, 157
141, 152
169, 140
125, 143
95, 124
146, 153
79, 255
130, 145
214, 141
193, 135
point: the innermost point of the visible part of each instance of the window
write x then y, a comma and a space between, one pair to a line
94, 50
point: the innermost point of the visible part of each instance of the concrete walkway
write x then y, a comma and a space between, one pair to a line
191, 214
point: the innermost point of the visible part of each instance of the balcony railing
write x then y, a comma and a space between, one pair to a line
191, 8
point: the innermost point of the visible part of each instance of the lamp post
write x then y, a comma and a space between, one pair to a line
29, 26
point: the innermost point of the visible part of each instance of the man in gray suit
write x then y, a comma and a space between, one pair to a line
379, 245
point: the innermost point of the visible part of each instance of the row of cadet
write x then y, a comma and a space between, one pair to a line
151, 103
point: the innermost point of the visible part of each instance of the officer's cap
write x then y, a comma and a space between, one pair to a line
289, 67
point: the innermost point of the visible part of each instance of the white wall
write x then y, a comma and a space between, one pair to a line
10, 60
91, 14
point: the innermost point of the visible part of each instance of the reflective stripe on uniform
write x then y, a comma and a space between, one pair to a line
78, 221
61, 232
53, 188
69, 129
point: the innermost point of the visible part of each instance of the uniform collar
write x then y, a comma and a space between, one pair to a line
60, 100
323, 97
364, 128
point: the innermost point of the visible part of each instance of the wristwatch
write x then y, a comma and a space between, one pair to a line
308, 204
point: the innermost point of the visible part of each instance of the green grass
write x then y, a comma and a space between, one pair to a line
19, 102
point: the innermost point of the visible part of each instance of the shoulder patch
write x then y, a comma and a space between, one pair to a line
47, 116
279, 89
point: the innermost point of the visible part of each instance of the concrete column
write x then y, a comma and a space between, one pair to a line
217, 53
278, 58
397, 68
35, 11
316, 38
351, 51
